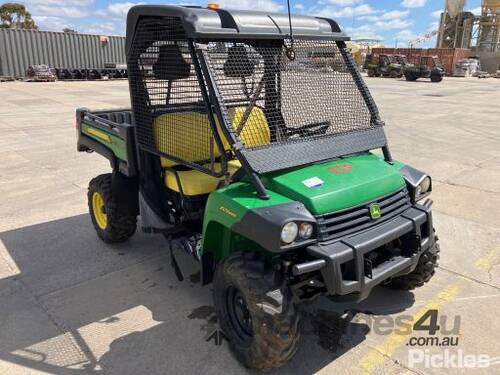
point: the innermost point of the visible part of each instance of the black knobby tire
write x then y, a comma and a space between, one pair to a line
273, 335
120, 226
436, 78
426, 268
411, 76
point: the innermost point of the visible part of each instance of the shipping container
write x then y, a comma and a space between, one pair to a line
21, 48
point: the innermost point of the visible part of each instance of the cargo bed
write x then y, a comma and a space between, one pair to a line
110, 134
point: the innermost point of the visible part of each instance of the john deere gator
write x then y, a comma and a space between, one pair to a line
269, 170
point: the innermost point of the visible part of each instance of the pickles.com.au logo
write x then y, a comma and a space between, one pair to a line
450, 359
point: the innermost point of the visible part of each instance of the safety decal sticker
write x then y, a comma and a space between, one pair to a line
313, 182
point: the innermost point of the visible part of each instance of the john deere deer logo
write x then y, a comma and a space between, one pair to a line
375, 211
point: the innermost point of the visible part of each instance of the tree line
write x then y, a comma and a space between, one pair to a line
16, 16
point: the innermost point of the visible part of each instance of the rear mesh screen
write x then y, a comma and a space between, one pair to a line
306, 101
170, 115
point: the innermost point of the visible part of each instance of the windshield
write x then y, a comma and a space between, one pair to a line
401, 59
393, 59
293, 111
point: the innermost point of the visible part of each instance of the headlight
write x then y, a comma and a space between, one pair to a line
305, 230
289, 232
418, 183
423, 188
425, 185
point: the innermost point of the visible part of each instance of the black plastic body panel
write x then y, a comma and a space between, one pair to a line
126, 192
354, 248
263, 225
413, 178
204, 23
324, 149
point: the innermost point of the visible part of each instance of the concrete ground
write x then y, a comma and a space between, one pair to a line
70, 304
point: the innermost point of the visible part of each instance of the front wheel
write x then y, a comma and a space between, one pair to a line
426, 268
255, 311
411, 76
436, 78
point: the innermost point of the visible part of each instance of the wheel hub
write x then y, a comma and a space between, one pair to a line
99, 210
239, 314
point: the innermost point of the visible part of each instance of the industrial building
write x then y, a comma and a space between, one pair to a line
481, 33
22, 48
458, 29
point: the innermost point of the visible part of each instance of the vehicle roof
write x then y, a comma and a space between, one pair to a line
205, 23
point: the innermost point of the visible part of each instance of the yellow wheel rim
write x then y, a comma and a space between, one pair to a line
99, 210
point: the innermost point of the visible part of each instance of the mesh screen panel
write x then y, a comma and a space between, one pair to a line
268, 100
170, 115
318, 95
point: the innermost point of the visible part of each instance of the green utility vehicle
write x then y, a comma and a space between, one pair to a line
401, 59
426, 67
259, 163
383, 65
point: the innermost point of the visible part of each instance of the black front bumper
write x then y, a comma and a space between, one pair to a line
351, 251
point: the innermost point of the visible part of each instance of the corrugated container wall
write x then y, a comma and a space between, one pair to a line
22, 48
448, 56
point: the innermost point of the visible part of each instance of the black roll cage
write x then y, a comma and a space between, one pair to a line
198, 49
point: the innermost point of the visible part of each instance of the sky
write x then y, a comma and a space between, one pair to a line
392, 21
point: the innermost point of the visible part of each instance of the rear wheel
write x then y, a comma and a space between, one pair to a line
426, 267
111, 224
255, 312
371, 73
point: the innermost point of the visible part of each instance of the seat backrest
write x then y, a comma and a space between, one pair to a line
255, 132
186, 135
171, 129
238, 64
170, 64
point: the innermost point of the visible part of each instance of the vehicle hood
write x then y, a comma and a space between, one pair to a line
338, 184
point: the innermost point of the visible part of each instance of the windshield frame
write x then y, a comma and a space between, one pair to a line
258, 159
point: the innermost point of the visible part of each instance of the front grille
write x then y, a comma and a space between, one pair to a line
341, 223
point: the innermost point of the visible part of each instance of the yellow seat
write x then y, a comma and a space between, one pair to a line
194, 182
188, 136
256, 130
